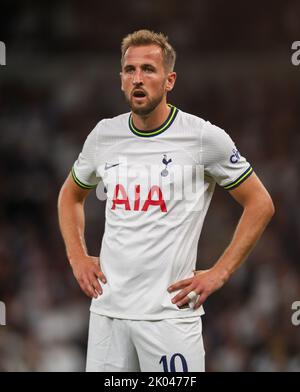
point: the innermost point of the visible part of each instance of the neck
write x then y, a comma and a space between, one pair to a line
154, 119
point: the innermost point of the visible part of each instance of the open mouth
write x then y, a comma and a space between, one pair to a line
139, 94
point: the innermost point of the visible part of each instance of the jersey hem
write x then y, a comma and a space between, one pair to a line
196, 313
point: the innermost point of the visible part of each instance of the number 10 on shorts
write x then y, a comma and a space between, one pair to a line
169, 366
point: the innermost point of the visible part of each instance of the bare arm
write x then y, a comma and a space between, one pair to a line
258, 209
71, 220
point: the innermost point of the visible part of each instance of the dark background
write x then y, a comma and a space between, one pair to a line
62, 76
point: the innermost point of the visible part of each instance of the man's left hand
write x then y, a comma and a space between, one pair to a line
203, 283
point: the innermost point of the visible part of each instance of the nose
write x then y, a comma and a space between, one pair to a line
137, 77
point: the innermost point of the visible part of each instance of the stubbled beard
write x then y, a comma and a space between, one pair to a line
147, 109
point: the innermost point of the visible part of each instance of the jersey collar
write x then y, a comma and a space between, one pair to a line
157, 131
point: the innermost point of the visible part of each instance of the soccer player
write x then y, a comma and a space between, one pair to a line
158, 166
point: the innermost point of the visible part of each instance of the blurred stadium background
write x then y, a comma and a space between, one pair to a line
234, 69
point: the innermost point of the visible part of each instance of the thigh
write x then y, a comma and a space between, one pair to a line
170, 345
110, 348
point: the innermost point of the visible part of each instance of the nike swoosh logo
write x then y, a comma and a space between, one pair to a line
108, 166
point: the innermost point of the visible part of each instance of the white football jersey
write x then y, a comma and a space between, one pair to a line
158, 185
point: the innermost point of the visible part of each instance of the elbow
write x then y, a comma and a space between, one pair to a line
262, 207
269, 208
272, 209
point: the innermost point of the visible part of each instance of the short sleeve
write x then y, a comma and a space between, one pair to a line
221, 159
84, 168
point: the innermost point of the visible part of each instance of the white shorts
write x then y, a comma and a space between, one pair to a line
169, 345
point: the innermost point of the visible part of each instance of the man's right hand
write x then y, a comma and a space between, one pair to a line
87, 272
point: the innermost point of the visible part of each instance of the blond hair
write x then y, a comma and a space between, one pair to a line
147, 37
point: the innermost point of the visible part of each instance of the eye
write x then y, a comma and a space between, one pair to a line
129, 70
149, 69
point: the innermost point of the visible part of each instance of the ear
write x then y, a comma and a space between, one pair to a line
121, 74
171, 78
